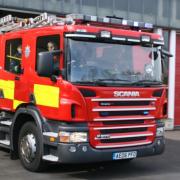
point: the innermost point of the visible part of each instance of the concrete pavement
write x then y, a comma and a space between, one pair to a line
165, 167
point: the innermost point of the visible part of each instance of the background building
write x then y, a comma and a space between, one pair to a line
164, 14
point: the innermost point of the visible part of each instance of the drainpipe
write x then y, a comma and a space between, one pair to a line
171, 85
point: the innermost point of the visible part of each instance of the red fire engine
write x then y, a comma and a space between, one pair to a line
80, 88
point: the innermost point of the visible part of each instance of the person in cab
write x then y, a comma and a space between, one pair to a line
16, 60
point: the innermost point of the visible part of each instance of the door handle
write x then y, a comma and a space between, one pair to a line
17, 78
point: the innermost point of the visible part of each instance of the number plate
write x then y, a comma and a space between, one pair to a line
124, 155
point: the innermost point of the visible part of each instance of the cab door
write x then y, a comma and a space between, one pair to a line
12, 81
46, 92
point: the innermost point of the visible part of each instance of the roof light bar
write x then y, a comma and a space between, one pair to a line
81, 35
115, 21
148, 25
124, 22
111, 20
90, 18
103, 19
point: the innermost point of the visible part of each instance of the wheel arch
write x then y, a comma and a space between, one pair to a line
23, 114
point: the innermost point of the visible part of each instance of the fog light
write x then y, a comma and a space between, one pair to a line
158, 142
73, 137
72, 149
84, 148
160, 131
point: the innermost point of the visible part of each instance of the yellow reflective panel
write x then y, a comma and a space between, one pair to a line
8, 88
46, 95
16, 103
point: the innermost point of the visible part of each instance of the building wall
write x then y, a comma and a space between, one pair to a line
177, 86
164, 13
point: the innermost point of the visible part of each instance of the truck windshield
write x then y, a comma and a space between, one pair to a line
109, 63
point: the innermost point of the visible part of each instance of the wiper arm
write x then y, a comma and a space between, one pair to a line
99, 82
145, 82
102, 80
94, 83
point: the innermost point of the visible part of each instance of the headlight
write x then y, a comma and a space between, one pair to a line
160, 131
73, 137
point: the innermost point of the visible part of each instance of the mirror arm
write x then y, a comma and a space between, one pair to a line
166, 53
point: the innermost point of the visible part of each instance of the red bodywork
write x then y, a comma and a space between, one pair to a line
70, 94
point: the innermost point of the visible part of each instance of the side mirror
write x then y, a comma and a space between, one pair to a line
166, 53
48, 63
45, 64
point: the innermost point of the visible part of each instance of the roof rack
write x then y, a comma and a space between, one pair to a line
110, 20
9, 23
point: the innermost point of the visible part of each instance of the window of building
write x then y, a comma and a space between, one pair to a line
49, 43
150, 7
166, 59
89, 3
121, 5
13, 56
135, 6
105, 4
177, 9
166, 6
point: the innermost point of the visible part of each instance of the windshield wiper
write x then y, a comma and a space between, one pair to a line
100, 82
147, 82
114, 80
94, 83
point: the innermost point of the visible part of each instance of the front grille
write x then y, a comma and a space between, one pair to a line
109, 131
123, 140
123, 122
121, 113
124, 103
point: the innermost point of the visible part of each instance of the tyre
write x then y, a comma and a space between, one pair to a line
29, 147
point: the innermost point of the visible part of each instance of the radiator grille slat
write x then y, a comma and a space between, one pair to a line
122, 122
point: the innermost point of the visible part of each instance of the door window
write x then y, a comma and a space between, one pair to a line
13, 56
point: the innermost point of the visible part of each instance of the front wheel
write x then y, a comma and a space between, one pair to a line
29, 147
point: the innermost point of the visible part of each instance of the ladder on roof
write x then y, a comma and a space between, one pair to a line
9, 23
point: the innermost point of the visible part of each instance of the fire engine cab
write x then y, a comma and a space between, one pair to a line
80, 89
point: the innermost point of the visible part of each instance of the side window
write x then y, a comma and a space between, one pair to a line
13, 56
49, 43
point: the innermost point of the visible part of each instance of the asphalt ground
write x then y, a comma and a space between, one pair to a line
165, 167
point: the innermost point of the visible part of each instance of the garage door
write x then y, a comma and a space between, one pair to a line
177, 82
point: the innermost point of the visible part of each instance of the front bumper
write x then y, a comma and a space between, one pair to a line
85, 153
94, 155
